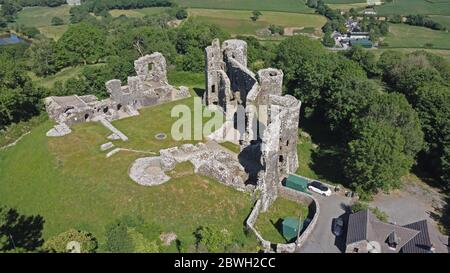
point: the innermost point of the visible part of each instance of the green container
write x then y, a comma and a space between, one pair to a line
362, 42
297, 183
291, 226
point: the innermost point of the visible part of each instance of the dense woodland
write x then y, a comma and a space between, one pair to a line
384, 116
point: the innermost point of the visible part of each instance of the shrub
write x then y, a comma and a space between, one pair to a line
61, 242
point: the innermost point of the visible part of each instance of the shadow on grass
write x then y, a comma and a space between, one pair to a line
24, 232
278, 225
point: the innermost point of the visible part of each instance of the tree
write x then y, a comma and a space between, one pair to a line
196, 34
42, 56
181, 13
433, 106
215, 239
80, 44
393, 109
327, 40
57, 21
375, 158
255, 15
118, 239
30, 32
61, 242
3, 22
411, 73
365, 59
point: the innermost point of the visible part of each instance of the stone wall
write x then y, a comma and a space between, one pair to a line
296, 196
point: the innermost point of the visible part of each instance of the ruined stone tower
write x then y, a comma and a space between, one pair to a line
271, 120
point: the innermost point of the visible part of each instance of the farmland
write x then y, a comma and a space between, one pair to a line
406, 7
41, 17
262, 5
139, 13
406, 36
239, 22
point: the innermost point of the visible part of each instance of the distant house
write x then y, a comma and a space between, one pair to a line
366, 234
367, 43
358, 35
73, 2
374, 2
369, 11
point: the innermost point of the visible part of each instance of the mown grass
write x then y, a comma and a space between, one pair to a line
406, 7
42, 16
268, 223
71, 184
266, 5
239, 22
406, 36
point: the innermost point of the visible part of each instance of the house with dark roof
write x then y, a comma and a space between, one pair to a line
367, 234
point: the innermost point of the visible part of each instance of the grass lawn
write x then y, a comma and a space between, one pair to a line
239, 22
406, 36
348, 6
266, 5
268, 223
42, 16
137, 12
53, 32
406, 7
71, 184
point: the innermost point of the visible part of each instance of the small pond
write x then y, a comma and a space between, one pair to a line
9, 39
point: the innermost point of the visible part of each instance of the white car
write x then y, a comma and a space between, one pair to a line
319, 188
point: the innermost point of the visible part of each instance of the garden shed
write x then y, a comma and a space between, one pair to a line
291, 227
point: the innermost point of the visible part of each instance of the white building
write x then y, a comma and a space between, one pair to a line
73, 2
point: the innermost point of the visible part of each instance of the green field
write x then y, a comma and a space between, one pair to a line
268, 222
406, 7
71, 184
41, 17
137, 12
348, 6
239, 22
406, 36
266, 5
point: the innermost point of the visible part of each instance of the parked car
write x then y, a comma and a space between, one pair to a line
319, 188
338, 226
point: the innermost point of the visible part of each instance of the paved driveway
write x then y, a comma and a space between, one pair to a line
322, 240
414, 203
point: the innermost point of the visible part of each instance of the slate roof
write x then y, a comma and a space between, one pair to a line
421, 243
412, 238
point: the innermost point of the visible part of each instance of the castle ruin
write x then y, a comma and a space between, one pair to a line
271, 120
149, 87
